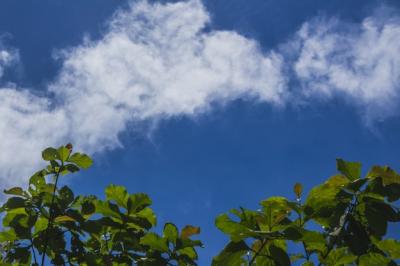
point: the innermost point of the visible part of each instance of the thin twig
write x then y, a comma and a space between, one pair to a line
51, 218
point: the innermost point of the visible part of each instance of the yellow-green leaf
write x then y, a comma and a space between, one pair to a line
64, 218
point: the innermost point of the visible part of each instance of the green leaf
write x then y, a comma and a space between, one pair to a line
327, 202
279, 255
147, 214
231, 255
107, 209
12, 214
50, 154
8, 235
66, 195
154, 242
15, 202
189, 230
38, 178
14, 191
352, 170
63, 153
235, 230
373, 259
276, 209
88, 207
81, 160
72, 168
388, 175
170, 232
117, 194
188, 252
315, 241
138, 202
339, 257
41, 224
64, 218
391, 247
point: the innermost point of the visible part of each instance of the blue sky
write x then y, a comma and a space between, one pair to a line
207, 105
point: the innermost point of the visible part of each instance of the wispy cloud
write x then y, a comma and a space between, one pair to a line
358, 62
8, 57
157, 61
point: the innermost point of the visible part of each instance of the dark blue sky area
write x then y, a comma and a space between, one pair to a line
234, 156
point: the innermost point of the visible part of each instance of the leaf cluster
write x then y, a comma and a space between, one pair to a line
343, 221
47, 221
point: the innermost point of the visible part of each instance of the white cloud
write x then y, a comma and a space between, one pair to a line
7, 58
26, 126
157, 61
358, 62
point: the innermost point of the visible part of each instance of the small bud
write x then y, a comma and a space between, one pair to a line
69, 146
298, 188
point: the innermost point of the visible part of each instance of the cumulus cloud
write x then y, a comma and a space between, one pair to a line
358, 62
157, 61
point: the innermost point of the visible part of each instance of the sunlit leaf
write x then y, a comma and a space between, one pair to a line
64, 218
352, 170
117, 194
50, 154
81, 160
170, 232
154, 242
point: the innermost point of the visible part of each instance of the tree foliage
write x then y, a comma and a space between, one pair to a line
46, 221
343, 221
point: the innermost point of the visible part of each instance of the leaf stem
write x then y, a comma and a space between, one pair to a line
263, 242
33, 252
51, 214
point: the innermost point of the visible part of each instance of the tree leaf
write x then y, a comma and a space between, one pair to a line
14, 191
8, 235
66, 195
138, 202
279, 255
373, 259
340, 256
117, 194
15, 202
231, 255
81, 160
189, 252
276, 209
64, 218
149, 215
154, 242
63, 153
41, 224
352, 170
50, 154
170, 232
391, 247
388, 175
189, 230
235, 230
324, 201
